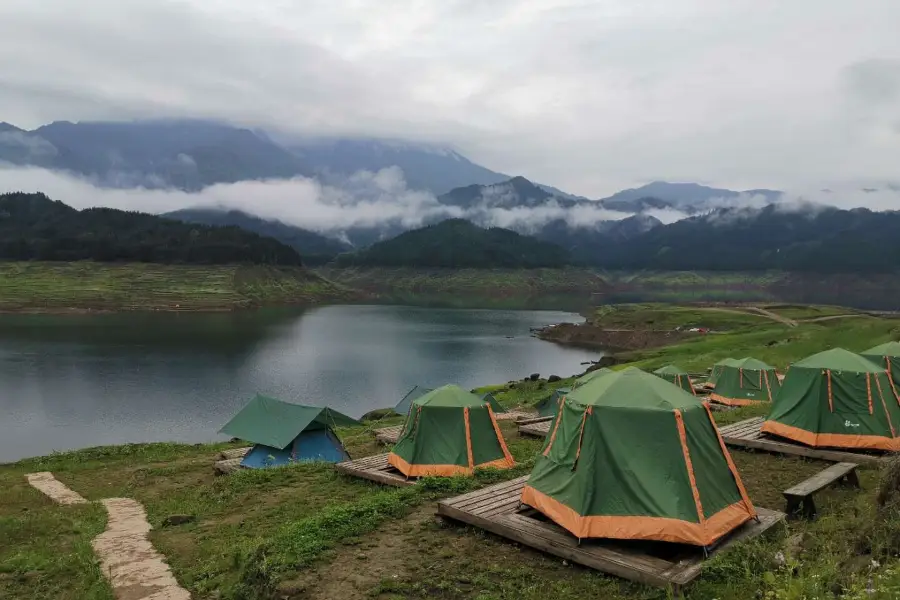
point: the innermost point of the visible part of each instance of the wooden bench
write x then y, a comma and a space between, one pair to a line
801, 495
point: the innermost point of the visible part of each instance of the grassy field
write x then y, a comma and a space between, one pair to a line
60, 287
483, 288
306, 532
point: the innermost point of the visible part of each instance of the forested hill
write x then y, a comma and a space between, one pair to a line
456, 243
34, 227
790, 238
313, 247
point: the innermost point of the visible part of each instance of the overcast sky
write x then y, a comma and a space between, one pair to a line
590, 96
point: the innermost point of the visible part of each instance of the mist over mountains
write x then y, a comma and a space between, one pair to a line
325, 196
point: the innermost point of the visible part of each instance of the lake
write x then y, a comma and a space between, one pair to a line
69, 382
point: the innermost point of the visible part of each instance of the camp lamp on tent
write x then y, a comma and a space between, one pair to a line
549, 405
449, 431
837, 399
402, 407
889, 355
677, 376
632, 457
284, 433
744, 382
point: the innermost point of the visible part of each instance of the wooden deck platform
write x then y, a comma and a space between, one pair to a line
234, 453
375, 468
539, 429
228, 465
496, 509
746, 434
388, 435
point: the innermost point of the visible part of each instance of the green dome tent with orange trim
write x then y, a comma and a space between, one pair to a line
744, 382
717, 369
676, 376
889, 355
837, 399
548, 406
632, 457
449, 431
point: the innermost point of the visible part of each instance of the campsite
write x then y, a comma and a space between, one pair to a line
305, 530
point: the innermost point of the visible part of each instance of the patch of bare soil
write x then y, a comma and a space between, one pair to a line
356, 569
591, 336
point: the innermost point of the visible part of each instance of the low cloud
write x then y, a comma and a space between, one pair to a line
365, 199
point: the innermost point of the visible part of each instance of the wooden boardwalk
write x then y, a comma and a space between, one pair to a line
375, 468
496, 509
747, 434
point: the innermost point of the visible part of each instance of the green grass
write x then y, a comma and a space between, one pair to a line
804, 312
43, 286
773, 343
306, 532
668, 317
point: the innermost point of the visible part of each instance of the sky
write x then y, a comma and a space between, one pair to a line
588, 96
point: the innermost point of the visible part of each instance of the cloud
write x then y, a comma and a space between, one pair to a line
364, 200
589, 96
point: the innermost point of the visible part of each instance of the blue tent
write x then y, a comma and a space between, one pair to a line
283, 433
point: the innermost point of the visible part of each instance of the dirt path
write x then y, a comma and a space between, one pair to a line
135, 570
755, 310
55, 489
831, 318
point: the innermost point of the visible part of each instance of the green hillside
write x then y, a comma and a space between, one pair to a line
457, 243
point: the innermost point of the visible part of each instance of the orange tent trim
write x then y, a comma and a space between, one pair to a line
734, 401
833, 440
682, 437
443, 470
639, 528
506, 454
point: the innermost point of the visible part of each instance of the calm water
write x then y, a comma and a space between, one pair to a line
72, 382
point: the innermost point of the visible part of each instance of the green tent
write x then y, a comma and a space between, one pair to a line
630, 456
837, 399
677, 376
744, 382
402, 407
283, 432
889, 355
548, 406
449, 431
717, 369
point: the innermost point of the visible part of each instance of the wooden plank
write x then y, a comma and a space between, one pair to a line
224, 467
374, 469
388, 435
820, 480
779, 446
541, 429
534, 420
233, 453
684, 572
495, 509
464, 499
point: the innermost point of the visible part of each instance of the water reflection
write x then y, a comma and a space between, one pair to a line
70, 382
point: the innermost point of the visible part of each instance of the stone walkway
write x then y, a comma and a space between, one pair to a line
135, 570
56, 490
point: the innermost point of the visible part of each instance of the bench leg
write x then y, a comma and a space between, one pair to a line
852, 479
793, 506
809, 508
